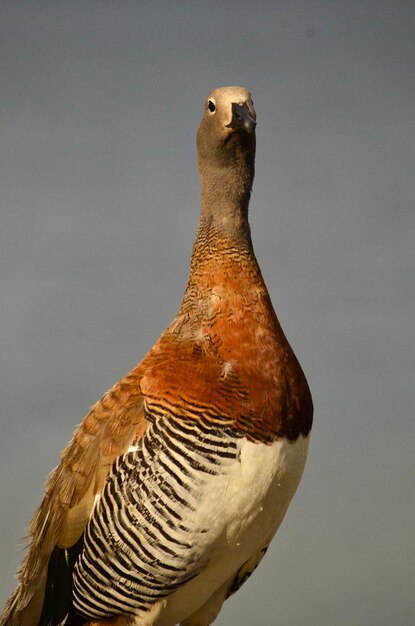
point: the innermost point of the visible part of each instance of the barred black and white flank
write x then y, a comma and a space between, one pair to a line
145, 534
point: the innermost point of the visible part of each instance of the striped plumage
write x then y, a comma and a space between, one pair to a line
173, 486
145, 530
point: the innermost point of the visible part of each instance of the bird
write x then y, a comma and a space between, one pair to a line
172, 487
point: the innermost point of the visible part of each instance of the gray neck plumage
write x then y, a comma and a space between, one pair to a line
225, 193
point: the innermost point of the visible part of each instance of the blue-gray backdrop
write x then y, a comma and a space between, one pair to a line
99, 103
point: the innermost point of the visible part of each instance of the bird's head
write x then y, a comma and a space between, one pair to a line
227, 126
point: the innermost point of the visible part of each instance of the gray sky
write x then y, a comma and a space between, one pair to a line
99, 102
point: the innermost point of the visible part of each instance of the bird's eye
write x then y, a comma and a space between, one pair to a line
211, 106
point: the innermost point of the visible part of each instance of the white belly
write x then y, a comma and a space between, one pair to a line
242, 511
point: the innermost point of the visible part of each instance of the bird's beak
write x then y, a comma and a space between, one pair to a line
241, 118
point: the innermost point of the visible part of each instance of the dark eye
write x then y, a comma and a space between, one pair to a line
211, 106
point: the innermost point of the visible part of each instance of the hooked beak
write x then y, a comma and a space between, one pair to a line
241, 118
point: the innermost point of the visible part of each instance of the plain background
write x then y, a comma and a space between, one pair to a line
99, 198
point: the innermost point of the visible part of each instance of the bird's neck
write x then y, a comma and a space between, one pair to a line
225, 194
223, 263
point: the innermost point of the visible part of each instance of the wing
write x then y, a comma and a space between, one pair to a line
111, 426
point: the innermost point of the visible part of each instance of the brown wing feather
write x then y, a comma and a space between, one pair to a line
106, 432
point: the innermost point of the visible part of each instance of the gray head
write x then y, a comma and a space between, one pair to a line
227, 127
